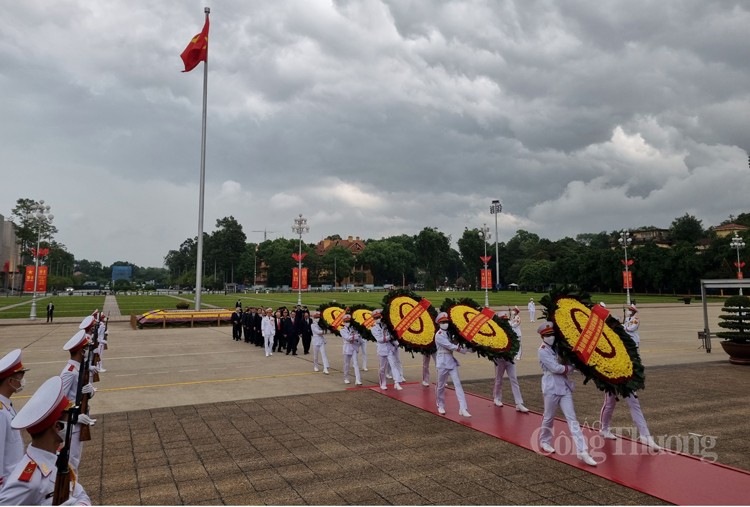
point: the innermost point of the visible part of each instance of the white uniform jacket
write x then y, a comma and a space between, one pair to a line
554, 375
317, 334
631, 325
444, 359
33, 481
351, 340
11, 442
383, 338
267, 327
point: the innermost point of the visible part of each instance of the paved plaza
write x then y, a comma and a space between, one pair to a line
188, 416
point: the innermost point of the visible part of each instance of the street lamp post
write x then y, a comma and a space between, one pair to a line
485, 235
625, 241
300, 226
43, 217
737, 243
496, 208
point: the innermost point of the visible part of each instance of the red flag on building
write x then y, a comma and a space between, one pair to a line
197, 50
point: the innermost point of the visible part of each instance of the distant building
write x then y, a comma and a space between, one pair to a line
356, 246
659, 237
722, 231
10, 256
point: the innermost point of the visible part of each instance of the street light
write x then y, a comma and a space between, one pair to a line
625, 241
737, 243
484, 233
300, 226
43, 217
496, 208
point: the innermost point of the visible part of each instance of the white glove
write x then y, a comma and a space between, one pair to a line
71, 501
84, 419
94, 369
88, 389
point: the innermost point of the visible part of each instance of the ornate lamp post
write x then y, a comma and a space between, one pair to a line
300, 226
625, 241
496, 208
484, 233
737, 243
43, 217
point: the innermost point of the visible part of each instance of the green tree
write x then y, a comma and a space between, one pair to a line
687, 228
225, 246
536, 274
432, 249
471, 246
29, 228
388, 261
338, 264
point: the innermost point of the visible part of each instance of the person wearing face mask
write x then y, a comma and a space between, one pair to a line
11, 382
386, 351
351, 345
515, 324
501, 367
76, 347
557, 389
447, 365
318, 344
632, 322
32, 481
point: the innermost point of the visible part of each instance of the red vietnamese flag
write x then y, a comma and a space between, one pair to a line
197, 50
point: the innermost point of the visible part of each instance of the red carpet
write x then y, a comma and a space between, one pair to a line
674, 477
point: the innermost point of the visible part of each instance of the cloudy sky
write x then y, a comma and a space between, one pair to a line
372, 117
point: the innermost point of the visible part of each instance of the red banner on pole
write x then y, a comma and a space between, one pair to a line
296, 278
486, 278
41, 279
627, 279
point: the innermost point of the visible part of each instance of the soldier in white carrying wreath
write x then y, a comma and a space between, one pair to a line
631, 325
386, 351
557, 389
501, 367
351, 345
318, 344
447, 365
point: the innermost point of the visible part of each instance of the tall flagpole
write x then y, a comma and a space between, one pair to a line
199, 266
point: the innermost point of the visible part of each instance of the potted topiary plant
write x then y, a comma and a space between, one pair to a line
736, 320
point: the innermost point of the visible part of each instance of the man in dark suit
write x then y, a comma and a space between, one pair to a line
237, 324
50, 311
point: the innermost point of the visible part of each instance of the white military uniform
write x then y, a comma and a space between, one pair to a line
610, 400
426, 368
515, 324
351, 344
11, 442
557, 389
319, 346
102, 337
69, 376
532, 311
33, 481
447, 365
386, 354
268, 330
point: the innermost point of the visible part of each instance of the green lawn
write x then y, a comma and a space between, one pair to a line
65, 306
140, 304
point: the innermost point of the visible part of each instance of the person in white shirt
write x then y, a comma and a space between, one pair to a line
447, 365
532, 310
11, 382
318, 344
631, 325
386, 349
515, 324
45, 417
268, 330
501, 367
557, 389
351, 345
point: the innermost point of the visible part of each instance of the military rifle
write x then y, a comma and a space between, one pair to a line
62, 480
83, 379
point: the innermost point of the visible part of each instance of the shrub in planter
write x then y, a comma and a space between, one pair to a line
736, 320
183, 305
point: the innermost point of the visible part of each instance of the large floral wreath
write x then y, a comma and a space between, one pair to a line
331, 317
481, 330
362, 320
595, 342
411, 319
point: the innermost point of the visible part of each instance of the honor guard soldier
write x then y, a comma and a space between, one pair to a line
631, 324
557, 390
351, 345
318, 344
11, 442
76, 347
32, 482
447, 365
501, 367
386, 350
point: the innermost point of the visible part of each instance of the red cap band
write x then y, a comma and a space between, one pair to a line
51, 418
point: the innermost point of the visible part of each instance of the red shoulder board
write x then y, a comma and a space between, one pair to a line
71, 367
28, 472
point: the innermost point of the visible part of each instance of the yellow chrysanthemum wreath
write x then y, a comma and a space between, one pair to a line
419, 334
494, 338
614, 365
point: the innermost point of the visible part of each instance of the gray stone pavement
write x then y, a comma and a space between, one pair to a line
187, 416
